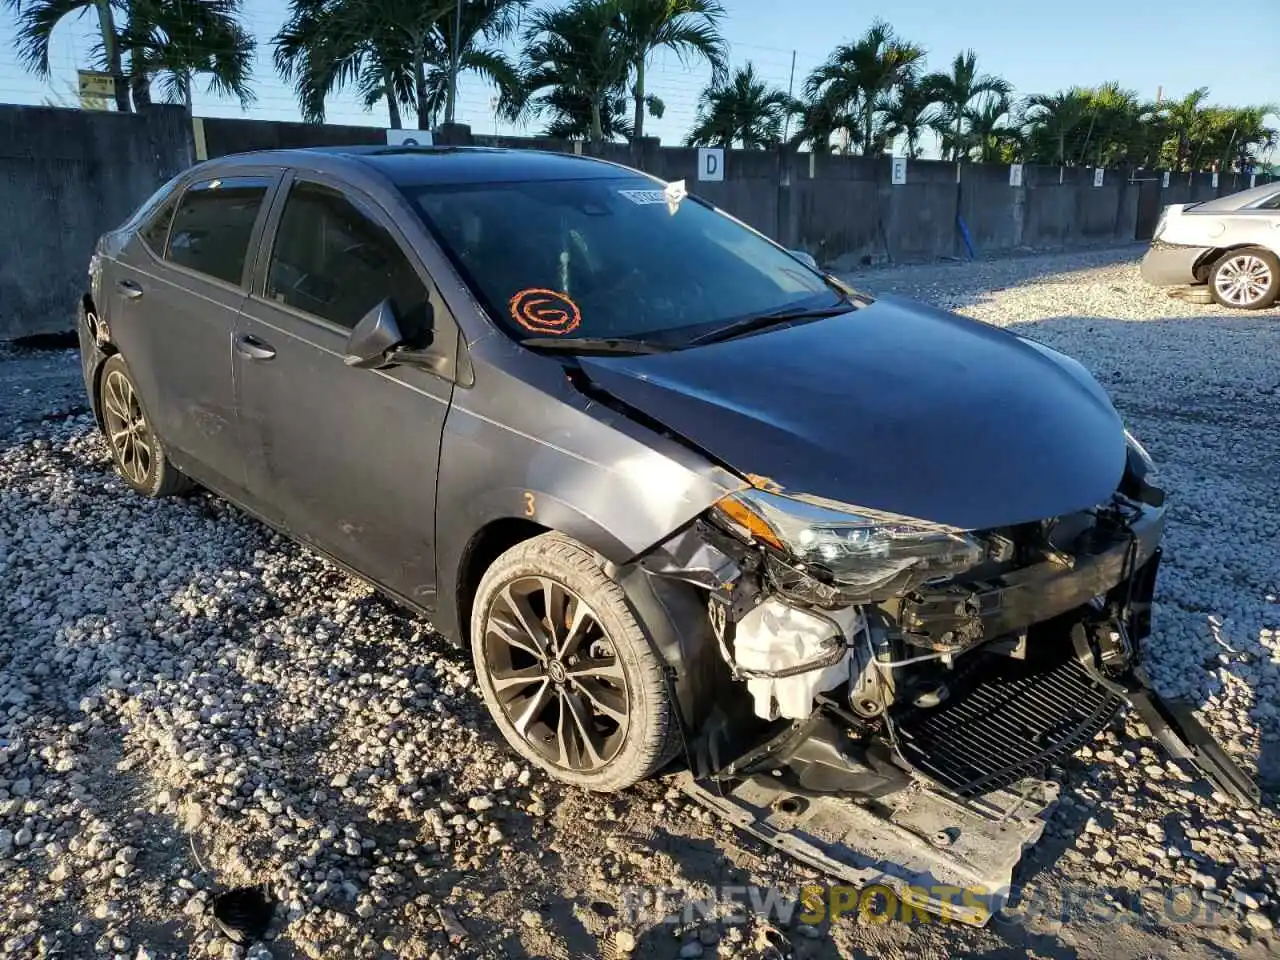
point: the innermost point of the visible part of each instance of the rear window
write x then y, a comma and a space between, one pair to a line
610, 258
213, 225
1271, 203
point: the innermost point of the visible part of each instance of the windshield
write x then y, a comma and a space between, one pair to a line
608, 258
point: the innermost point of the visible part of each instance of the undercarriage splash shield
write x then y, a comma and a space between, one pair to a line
953, 859
1005, 720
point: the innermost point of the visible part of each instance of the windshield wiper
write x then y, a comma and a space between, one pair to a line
761, 320
593, 345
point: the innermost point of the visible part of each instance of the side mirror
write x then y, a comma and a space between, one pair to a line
373, 338
805, 258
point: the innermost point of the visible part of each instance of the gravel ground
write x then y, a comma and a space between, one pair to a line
189, 703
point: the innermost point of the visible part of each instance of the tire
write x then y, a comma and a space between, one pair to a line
1246, 279
605, 654
137, 452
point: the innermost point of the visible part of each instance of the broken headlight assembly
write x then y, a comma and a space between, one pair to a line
1139, 481
1139, 461
862, 554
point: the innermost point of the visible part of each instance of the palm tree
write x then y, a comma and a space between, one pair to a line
991, 133
746, 111
689, 28
956, 90
485, 26
575, 55
1052, 119
857, 75
1115, 126
1187, 124
909, 111
821, 118
1249, 135
173, 39
312, 55
176, 40
385, 46
571, 115
36, 20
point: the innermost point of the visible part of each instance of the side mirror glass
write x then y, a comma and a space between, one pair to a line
373, 338
805, 258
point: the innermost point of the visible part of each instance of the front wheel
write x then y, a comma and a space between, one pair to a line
1248, 279
566, 669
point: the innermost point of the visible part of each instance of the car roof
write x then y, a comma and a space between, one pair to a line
1240, 200
419, 166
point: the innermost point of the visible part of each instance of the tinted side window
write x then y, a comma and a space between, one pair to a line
213, 224
332, 261
156, 232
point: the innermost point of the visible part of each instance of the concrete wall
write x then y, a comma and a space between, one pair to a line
66, 177
223, 136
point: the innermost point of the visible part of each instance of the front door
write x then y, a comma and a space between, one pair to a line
177, 293
344, 458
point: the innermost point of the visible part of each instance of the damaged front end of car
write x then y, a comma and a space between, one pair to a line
893, 691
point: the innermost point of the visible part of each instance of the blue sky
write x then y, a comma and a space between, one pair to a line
1037, 47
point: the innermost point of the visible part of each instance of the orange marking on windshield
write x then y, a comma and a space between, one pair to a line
545, 311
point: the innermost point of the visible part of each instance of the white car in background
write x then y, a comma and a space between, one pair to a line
1232, 244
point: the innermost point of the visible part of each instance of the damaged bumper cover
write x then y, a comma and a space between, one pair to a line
936, 795
960, 617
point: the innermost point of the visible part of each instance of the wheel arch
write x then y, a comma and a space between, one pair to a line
1205, 263
96, 351
485, 546
672, 613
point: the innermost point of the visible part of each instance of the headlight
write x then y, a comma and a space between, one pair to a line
868, 553
1140, 461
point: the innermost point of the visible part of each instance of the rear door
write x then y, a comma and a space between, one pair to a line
177, 292
345, 459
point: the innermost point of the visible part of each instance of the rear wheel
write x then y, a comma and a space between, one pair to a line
566, 669
1247, 279
138, 454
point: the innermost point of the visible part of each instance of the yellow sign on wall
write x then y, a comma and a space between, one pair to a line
96, 84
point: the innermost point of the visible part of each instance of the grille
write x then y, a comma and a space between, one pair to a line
1010, 720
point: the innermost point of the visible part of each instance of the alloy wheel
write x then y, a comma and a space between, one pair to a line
556, 674
1243, 280
127, 429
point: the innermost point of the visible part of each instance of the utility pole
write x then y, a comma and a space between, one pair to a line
786, 124
453, 65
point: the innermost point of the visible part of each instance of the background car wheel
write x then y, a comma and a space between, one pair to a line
566, 669
1247, 279
137, 451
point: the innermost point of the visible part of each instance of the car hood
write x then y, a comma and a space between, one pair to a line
895, 406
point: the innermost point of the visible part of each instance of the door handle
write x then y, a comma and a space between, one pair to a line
130, 289
253, 348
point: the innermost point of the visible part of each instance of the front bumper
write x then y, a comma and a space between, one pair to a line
1171, 264
935, 800
958, 618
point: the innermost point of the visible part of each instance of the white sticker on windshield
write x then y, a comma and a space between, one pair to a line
674, 193
645, 197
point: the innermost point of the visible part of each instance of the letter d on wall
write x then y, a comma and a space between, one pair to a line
710, 163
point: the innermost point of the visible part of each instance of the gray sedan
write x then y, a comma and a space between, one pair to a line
686, 498
1230, 243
